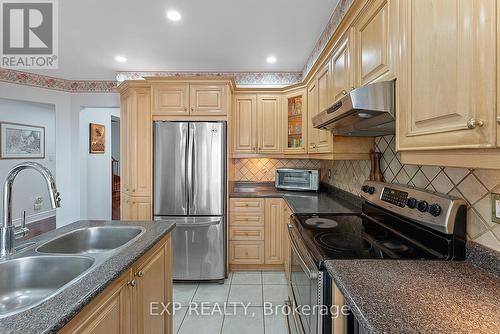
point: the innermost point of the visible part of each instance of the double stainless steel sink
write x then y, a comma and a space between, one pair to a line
27, 281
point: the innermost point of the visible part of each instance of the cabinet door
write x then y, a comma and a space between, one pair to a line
136, 208
294, 110
151, 286
269, 124
109, 313
126, 140
341, 81
170, 99
140, 145
312, 109
324, 144
273, 227
447, 85
372, 42
245, 124
208, 100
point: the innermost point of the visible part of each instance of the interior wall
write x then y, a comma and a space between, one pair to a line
473, 185
29, 185
95, 170
67, 113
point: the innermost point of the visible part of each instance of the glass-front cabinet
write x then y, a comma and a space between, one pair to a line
295, 120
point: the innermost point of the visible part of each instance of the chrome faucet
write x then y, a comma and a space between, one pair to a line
9, 233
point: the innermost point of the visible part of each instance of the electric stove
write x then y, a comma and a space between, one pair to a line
396, 222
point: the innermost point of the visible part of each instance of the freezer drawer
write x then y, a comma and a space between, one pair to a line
198, 247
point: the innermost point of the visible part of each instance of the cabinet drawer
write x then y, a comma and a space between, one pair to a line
246, 252
246, 219
246, 204
246, 233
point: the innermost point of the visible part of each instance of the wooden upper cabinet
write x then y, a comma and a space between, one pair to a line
373, 42
324, 141
447, 84
341, 70
294, 111
269, 124
244, 123
208, 100
312, 110
170, 99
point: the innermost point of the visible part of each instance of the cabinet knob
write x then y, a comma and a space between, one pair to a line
344, 92
498, 120
185, 108
192, 109
353, 88
139, 274
125, 187
474, 123
132, 283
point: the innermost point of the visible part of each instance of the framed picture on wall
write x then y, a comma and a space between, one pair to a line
21, 141
97, 139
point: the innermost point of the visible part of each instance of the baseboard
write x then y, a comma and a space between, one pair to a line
36, 217
256, 267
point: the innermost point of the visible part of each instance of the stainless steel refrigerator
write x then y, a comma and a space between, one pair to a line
190, 188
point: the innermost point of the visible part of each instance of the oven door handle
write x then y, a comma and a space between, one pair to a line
312, 275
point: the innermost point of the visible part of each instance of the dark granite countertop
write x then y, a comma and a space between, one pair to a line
398, 296
328, 201
53, 314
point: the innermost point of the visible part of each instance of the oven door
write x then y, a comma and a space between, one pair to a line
306, 286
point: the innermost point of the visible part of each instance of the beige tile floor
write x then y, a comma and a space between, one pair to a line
255, 288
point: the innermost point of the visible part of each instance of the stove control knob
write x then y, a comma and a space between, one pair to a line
435, 210
371, 190
422, 206
365, 188
411, 203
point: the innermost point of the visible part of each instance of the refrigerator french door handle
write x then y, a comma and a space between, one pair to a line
189, 167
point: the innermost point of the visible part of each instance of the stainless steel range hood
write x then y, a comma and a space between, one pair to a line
365, 111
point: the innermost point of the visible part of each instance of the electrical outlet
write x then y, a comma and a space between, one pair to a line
37, 203
495, 206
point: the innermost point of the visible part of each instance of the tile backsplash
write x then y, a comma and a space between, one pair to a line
263, 170
474, 185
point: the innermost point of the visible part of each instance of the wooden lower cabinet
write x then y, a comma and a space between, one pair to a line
256, 232
136, 207
246, 252
273, 226
124, 307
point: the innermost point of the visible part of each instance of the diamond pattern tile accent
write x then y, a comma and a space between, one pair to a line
472, 185
264, 170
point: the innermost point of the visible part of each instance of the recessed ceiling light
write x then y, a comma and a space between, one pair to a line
174, 15
120, 59
271, 59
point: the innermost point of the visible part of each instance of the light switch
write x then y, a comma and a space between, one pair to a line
495, 204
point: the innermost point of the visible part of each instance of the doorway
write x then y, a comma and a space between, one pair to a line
115, 168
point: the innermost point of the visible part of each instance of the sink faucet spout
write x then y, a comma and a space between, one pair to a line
8, 232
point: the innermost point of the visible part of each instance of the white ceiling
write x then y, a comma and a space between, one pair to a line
213, 35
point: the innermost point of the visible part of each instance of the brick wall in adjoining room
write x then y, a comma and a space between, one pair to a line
263, 170
473, 185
